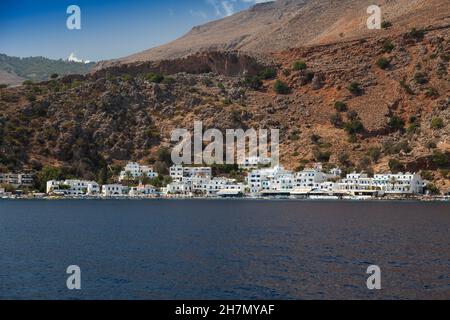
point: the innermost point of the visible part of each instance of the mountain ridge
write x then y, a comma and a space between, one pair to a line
276, 26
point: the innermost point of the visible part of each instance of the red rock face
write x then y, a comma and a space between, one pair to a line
223, 63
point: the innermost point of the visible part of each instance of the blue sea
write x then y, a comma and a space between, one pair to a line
224, 249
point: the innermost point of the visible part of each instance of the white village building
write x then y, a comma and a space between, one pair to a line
72, 187
254, 162
178, 172
112, 190
135, 171
142, 190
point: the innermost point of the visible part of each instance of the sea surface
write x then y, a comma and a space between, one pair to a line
224, 249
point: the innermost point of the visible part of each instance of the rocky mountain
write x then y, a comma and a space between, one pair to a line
15, 70
284, 24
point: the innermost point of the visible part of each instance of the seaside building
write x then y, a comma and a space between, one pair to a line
112, 190
254, 162
198, 181
93, 188
178, 187
178, 172
17, 179
142, 190
134, 171
400, 183
260, 179
72, 187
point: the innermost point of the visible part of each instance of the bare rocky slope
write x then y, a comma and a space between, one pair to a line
284, 24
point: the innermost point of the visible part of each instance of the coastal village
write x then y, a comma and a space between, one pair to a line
257, 180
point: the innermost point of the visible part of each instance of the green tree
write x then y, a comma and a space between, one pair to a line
47, 173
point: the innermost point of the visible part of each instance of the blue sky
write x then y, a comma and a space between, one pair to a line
109, 29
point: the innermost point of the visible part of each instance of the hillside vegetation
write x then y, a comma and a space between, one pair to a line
15, 70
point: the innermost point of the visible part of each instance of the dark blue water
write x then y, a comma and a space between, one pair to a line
224, 249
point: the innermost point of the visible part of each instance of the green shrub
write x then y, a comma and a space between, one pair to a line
154, 77
412, 128
355, 88
432, 189
253, 82
169, 80
427, 175
374, 153
388, 46
299, 65
432, 93
321, 156
437, 123
406, 87
340, 106
31, 97
281, 88
440, 159
315, 138
418, 35
383, 63
431, 145
3, 85
352, 115
386, 24
421, 78
268, 73
354, 126
396, 123
396, 166
294, 135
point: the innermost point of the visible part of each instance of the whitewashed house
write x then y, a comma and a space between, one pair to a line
266, 179
179, 187
71, 187
400, 183
142, 190
135, 171
178, 172
254, 162
232, 190
93, 188
17, 179
112, 190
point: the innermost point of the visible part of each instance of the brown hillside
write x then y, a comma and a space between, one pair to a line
284, 24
